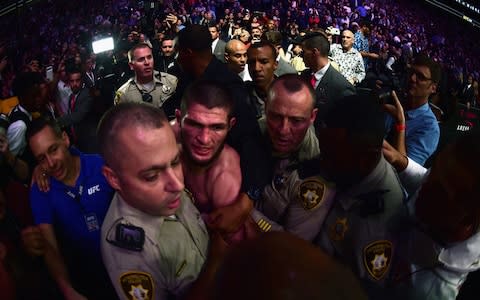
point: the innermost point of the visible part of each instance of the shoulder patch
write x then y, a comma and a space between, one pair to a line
337, 230
377, 258
311, 192
137, 285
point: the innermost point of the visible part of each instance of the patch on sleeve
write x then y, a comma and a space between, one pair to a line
377, 258
137, 285
311, 193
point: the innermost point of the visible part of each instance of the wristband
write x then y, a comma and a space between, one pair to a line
400, 127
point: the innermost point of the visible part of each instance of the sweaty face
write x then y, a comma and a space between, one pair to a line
142, 63
75, 82
51, 153
288, 118
147, 171
420, 84
237, 58
167, 47
347, 40
440, 202
204, 132
261, 65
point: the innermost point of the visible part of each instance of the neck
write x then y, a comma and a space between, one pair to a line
201, 64
73, 171
144, 80
415, 102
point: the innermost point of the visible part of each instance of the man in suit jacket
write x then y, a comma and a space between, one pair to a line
329, 84
80, 119
218, 46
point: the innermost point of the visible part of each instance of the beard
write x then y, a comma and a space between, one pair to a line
201, 163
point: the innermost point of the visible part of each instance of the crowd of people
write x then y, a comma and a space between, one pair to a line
165, 166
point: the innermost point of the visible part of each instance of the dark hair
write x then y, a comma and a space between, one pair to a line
292, 83
274, 37
24, 82
264, 43
135, 47
74, 70
361, 116
210, 94
435, 69
317, 40
39, 123
126, 115
195, 37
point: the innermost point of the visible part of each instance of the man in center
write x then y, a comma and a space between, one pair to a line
211, 168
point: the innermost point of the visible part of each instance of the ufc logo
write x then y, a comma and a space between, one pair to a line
94, 189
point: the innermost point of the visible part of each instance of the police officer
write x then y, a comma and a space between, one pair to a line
154, 242
290, 113
147, 85
363, 226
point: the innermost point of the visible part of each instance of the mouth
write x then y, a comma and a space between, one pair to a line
174, 204
202, 151
57, 173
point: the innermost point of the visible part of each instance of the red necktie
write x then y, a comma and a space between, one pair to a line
313, 80
72, 102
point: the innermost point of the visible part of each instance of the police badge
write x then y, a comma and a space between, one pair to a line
137, 285
311, 193
377, 258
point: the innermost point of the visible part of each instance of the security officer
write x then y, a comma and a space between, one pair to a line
154, 242
364, 224
147, 85
288, 126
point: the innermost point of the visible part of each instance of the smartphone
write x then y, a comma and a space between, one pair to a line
49, 73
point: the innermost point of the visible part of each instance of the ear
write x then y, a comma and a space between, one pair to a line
275, 64
65, 139
130, 65
434, 88
111, 177
178, 116
233, 121
313, 116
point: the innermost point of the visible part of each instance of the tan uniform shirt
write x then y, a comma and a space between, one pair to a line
173, 253
131, 91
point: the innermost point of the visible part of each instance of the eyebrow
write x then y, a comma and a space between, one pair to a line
160, 167
193, 122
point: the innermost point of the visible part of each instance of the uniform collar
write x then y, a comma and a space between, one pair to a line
365, 186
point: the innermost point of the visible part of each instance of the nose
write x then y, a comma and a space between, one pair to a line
49, 161
174, 180
258, 66
203, 136
283, 127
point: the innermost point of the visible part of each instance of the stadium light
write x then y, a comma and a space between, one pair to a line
103, 45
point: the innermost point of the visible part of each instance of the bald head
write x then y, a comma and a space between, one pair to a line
236, 55
347, 40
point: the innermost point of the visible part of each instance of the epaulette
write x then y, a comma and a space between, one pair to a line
309, 168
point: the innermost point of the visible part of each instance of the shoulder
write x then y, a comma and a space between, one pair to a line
167, 78
227, 164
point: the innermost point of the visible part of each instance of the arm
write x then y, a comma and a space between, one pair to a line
16, 137
424, 142
360, 70
396, 111
18, 166
55, 263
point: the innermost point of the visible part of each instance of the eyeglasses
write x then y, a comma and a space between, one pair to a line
420, 76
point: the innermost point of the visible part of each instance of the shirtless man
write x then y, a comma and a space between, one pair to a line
211, 168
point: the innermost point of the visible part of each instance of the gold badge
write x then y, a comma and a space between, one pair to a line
377, 258
264, 225
137, 285
337, 231
311, 192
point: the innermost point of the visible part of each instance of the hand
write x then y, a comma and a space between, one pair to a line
395, 110
33, 241
228, 219
394, 157
218, 247
252, 231
42, 179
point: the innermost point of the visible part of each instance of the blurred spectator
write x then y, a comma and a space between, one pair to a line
348, 58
